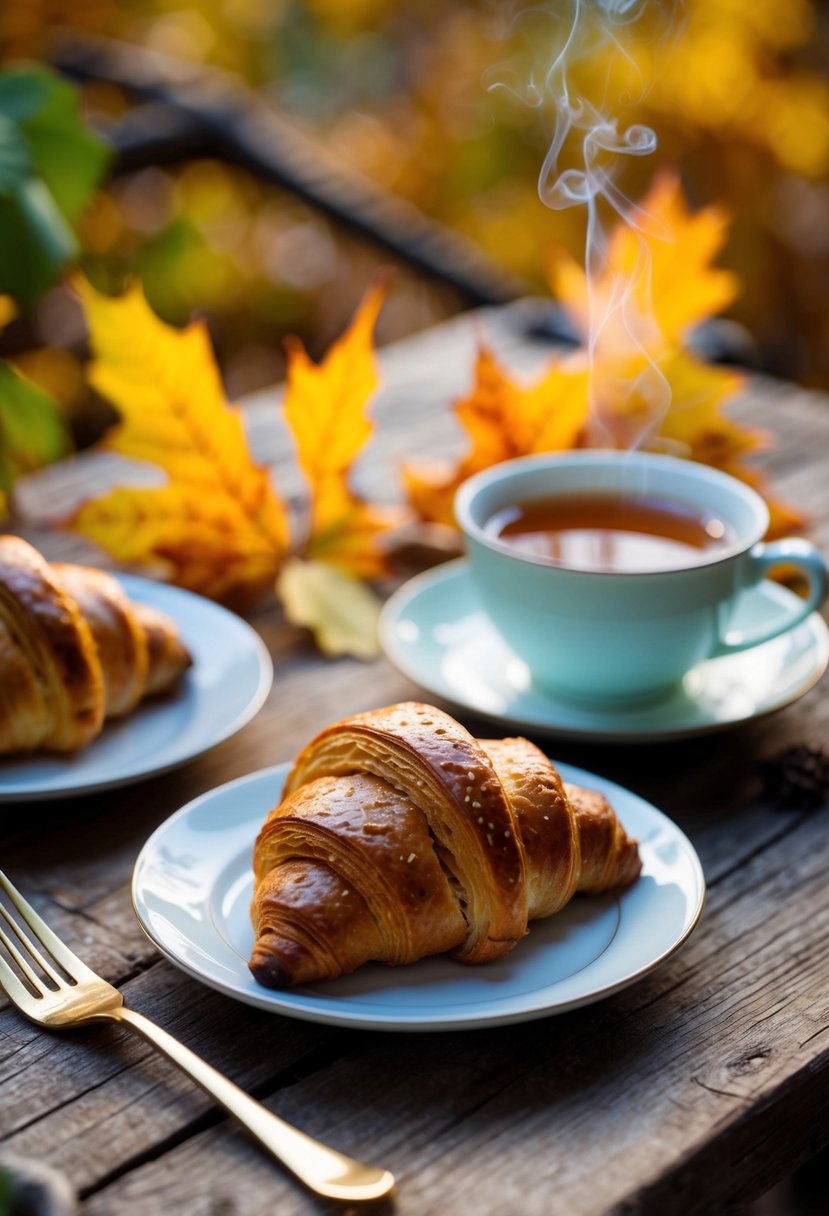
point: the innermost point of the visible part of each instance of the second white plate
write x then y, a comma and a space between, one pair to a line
192, 887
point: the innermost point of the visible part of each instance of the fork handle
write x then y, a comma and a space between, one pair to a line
324, 1170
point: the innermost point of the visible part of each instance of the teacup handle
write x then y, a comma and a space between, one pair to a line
794, 551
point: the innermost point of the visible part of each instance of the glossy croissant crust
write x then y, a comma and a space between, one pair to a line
400, 835
74, 651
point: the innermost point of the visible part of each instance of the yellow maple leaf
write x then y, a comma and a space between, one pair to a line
218, 526
657, 279
694, 424
672, 404
325, 407
202, 541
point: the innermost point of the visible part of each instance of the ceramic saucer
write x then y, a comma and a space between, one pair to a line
435, 632
193, 883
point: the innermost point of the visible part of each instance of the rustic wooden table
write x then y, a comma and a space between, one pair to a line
702, 1084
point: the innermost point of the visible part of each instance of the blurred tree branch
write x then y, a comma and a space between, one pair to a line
200, 111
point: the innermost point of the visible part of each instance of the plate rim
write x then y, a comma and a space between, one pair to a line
458, 567
79, 785
275, 1002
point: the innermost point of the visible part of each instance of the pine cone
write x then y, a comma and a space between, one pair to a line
797, 779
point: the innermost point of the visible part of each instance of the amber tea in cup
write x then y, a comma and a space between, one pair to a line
610, 532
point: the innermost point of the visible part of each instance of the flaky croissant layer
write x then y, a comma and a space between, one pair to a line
74, 651
400, 836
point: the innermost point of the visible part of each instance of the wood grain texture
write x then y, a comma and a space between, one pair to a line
701, 1085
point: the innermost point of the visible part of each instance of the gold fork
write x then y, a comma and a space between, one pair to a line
58, 1000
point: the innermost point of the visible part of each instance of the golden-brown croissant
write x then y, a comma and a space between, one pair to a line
400, 835
74, 650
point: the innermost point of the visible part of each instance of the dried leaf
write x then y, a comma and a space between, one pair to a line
694, 423
672, 404
326, 409
201, 541
325, 403
503, 420
340, 610
218, 527
354, 542
430, 486
657, 280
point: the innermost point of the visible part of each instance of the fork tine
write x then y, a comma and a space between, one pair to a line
16, 992
50, 942
19, 959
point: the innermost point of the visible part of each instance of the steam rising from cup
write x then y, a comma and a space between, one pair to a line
588, 147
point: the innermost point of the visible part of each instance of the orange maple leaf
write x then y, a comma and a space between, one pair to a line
503, 419
325, 407
217, 526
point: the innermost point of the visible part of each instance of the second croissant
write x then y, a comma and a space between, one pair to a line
74, 651
400, 836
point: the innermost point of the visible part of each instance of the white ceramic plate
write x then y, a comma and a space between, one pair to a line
192, 888
436, 633
226, 686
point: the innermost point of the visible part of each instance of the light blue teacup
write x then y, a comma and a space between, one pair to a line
611, 637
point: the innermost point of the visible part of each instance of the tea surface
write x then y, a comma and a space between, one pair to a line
604, 532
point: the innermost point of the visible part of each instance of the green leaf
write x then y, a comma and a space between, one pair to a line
32, 432
67, 156
341, 611
50, 165
15, 162
6, 1192
35, 241
23, 90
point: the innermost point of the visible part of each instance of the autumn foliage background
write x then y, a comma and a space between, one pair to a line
740, 104
398, 91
